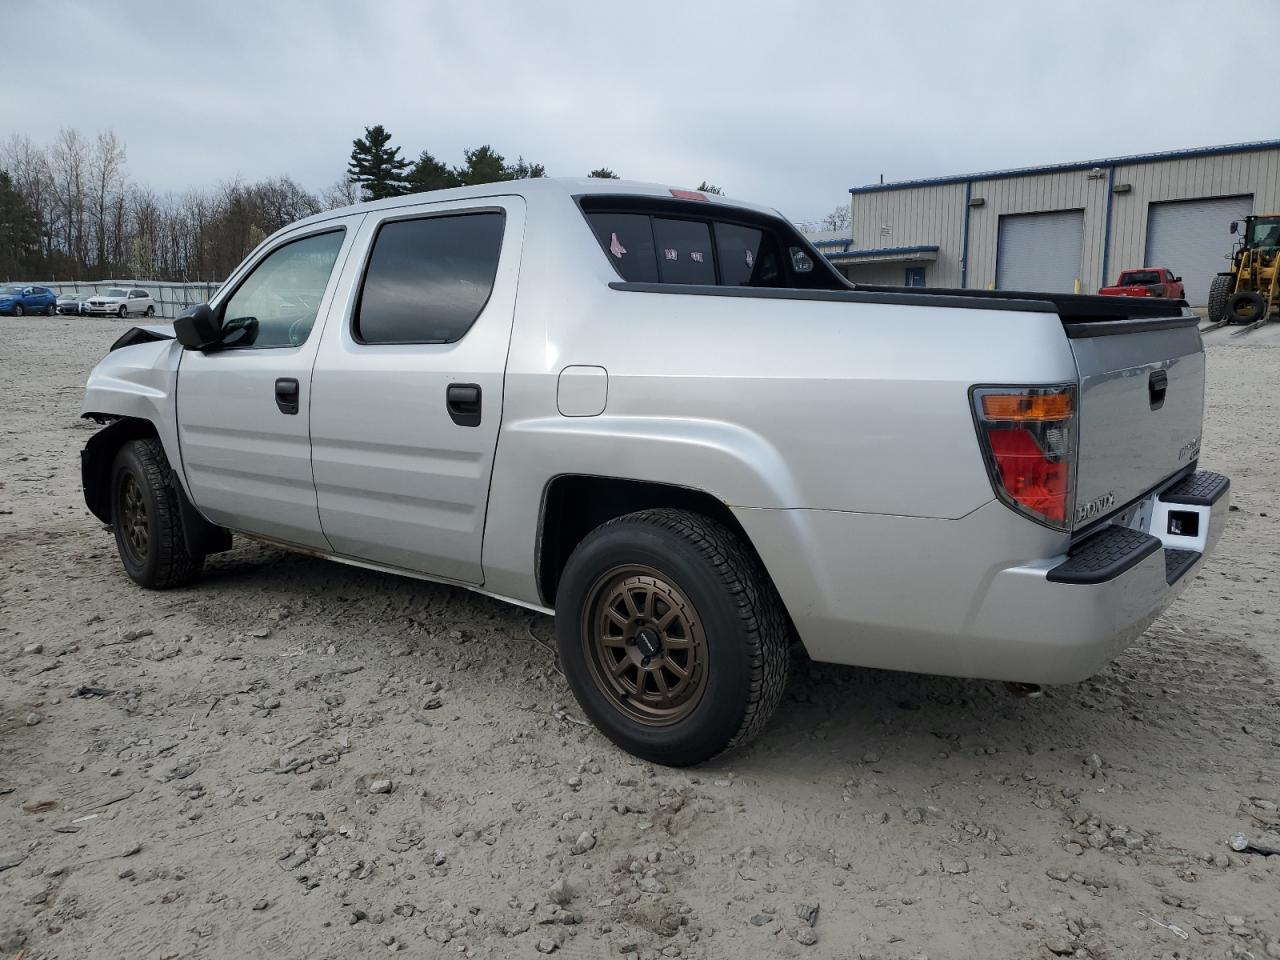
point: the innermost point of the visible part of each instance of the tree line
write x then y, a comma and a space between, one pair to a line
70, 211
378, 169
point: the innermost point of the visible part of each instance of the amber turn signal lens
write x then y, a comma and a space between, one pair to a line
1024, 406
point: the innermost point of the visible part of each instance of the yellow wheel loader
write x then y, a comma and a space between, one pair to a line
1249, 293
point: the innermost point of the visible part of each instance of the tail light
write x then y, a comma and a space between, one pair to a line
1028, 439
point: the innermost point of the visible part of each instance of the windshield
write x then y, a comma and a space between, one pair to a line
1264, 233
1139, 277
117, 292
10, 291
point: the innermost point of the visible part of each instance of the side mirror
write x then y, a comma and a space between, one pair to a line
1177, 279
1235, 226
197, 327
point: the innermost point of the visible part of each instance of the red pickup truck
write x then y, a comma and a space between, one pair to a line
1146, 282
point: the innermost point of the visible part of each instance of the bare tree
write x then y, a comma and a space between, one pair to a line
69, 163
340, 193
28, 165
106, 196
838, 219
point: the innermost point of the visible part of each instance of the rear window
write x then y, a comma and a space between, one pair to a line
684, 251
748, 256
678, 243
428, 279
628, 239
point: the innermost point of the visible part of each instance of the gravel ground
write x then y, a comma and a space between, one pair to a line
296, 758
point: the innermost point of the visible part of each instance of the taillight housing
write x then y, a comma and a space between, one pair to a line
1028, 440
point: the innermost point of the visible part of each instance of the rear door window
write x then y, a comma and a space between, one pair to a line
684, 251
428, 279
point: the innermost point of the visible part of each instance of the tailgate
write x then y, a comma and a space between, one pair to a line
1141, 403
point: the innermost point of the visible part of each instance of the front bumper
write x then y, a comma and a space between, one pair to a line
951, 597
106, 311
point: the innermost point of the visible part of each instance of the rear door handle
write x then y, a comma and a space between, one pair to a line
287, 395
462, 400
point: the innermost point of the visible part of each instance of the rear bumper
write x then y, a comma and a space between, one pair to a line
951, 596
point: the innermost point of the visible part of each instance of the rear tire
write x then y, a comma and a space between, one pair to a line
1219, 292
151, 311
671, 635
146, 518
1246, 307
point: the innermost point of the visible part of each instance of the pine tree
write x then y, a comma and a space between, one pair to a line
19, 231
484, 165
376, 165
603, 173
428, 173
523, 170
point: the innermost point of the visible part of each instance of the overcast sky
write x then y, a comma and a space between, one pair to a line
784, 103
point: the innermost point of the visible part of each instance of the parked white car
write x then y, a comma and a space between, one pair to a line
687, 437
121, 302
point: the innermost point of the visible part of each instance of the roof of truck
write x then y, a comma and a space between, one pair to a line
566, 186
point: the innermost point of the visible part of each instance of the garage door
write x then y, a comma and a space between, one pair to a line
1192, 238
1040, 251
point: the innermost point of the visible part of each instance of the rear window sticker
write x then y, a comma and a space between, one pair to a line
671, 254
750, 259
696, 256
616, 247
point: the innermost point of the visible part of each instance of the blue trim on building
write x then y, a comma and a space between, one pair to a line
884, 251
1106, 229
1133, 160
964, 236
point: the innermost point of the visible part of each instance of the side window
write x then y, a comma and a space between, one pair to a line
628, 237
276, 305
748, 257
684, 251
428, 279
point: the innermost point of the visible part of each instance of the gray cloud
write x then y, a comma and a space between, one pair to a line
782, 102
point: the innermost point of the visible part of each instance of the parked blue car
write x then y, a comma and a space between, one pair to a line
17, 300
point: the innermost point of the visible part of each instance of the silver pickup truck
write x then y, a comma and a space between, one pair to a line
663, 417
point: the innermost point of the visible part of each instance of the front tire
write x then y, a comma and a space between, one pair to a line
672, 636
123, 312
51, 311
17, 310
1219, 292
146, 519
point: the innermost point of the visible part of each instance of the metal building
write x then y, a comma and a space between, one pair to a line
1064, 227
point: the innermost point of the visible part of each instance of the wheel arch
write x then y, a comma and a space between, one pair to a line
97, 458
574, 504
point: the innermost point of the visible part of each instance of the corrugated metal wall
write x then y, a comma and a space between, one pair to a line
908, 218
1037, 194
1199, 177
934, 213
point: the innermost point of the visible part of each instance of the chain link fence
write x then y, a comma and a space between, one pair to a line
170, 298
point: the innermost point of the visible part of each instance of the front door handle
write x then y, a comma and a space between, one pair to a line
463, 403
287, 395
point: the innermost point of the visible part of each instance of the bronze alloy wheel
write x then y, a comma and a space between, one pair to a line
644, 645
133, 510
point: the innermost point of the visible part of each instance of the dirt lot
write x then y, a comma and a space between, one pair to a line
216, 802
